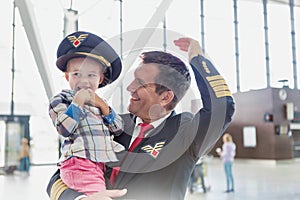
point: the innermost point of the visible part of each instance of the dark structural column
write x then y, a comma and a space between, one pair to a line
202, 25
293, 44
236, 39
266, 42
165, 34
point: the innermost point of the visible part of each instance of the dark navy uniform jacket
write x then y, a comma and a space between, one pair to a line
160, 167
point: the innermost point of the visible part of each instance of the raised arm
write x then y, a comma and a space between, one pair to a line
218, 104
189, 45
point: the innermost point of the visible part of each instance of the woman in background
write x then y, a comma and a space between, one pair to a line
227, 154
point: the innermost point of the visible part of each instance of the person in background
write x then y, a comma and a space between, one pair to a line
24, 156
80, 116
227, 154
198, 172
159, 167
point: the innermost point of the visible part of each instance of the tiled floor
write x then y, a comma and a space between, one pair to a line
254, 180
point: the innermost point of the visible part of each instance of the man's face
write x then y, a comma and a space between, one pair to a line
145, 102
84, 73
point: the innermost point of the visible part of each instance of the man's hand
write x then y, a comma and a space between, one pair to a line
189, 45
106, 195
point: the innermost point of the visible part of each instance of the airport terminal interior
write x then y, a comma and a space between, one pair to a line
256, 45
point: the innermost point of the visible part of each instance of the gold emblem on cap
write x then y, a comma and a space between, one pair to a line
77, 41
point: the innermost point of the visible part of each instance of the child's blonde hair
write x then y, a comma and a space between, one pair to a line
227, 137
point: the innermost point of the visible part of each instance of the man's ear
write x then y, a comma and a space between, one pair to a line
167, 97
67, 76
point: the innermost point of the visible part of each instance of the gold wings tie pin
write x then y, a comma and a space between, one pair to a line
153, 151
77, 41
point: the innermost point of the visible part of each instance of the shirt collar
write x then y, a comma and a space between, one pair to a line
154, 123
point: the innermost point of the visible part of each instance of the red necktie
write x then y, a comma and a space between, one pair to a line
141, 135
144, 128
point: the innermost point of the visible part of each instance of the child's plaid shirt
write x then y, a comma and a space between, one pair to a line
86, 131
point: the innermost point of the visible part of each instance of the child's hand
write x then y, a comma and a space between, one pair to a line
82, 97
98, 102
219, 151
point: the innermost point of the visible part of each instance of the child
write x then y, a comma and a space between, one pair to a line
81, 116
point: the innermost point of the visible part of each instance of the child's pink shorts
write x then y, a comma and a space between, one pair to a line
83, 175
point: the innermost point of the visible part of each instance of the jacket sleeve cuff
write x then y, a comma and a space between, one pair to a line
70, 194
110, 118
74, 111
81, 196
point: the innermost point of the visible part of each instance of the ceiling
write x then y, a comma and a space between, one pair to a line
296, 2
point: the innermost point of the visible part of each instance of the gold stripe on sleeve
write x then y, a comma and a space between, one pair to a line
57, 189
213, 78
223, 94
219, 86
217, 82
